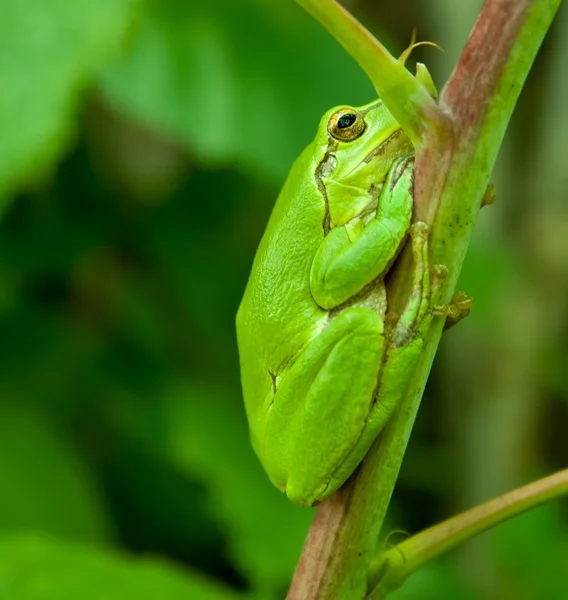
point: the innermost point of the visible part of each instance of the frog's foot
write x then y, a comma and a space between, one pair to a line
425, 295
456, 310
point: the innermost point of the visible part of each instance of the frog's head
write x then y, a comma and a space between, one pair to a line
361, 145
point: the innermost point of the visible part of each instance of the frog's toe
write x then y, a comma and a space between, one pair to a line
419, 230
440, 272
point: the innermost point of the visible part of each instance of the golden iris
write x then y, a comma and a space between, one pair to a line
346, 124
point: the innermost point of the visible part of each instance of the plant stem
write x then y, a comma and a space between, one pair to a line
408, 100
390, 569
459, 141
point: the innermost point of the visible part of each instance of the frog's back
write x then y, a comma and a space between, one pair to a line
278, 314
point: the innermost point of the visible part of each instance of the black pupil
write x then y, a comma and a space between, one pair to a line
346, 121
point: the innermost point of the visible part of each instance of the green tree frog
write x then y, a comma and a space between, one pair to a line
321, 372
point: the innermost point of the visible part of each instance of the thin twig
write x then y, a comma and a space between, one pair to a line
392, 567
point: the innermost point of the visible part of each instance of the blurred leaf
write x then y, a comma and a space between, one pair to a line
34, 568
48, 52
490, 268
157, 507
204, 249
132, 160
531, 552
237, 82
208, 438
45, 485
438, 580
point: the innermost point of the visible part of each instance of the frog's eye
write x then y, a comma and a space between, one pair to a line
346, 124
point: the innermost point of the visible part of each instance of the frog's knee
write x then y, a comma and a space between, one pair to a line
302, 496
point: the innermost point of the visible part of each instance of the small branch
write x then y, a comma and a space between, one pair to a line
321, 543
391, 568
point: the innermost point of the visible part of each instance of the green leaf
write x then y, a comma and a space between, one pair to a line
530, 552
205, 435
36, 568
48, 53
209, 438
439, 580
489, 269
236, 82
45, 485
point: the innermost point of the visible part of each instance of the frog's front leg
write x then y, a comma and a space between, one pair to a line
321, 405
353, 255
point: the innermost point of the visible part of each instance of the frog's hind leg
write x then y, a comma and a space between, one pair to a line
321, 407
405, 342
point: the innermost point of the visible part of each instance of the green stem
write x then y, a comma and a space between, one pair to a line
406, 98
391, 568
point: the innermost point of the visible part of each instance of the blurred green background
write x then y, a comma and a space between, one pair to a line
142, 145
